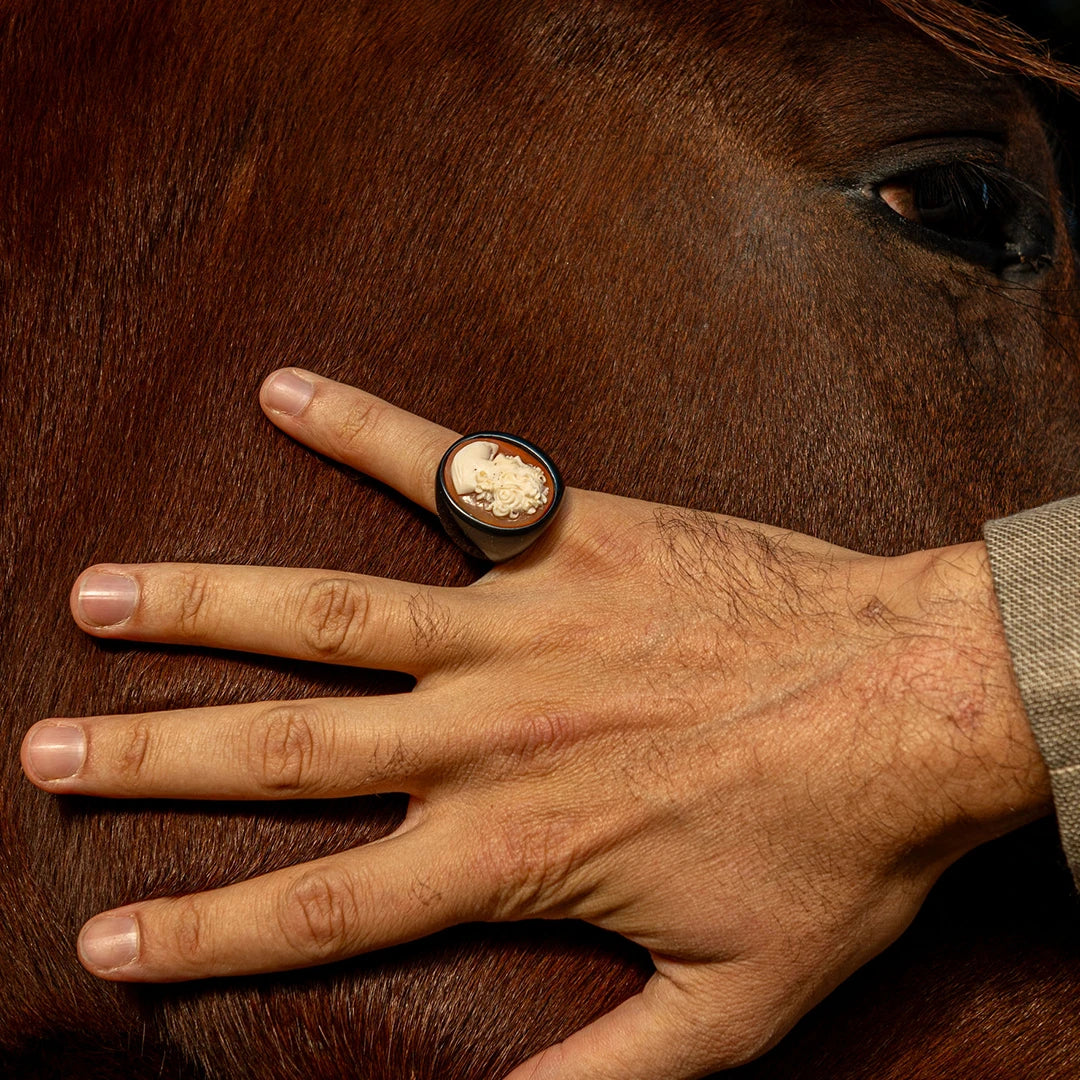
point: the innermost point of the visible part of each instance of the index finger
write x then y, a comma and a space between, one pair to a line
358, 429
381, 894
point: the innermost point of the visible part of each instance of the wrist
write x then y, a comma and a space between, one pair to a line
978, 746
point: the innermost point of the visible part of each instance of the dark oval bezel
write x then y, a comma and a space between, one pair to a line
482, 539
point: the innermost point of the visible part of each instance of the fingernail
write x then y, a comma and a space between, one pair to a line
110, 941
56, 752
286, 392
105, 599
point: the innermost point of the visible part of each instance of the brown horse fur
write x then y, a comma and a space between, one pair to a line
633, 231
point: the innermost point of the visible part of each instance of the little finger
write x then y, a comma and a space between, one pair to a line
358, 429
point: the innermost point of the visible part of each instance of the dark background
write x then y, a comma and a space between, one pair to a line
1056, 22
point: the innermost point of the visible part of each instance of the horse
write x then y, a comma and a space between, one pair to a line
803, 263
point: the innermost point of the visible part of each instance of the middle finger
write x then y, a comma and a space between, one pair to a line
317, 748
302, 614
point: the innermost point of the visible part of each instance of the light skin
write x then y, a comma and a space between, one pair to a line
747, 750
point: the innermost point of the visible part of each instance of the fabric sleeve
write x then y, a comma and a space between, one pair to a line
1035, 563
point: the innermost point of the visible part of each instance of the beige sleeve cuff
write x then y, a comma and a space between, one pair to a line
1035, 562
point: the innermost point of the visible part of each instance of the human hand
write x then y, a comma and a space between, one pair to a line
747, 750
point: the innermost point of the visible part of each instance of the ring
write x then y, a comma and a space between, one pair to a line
496, 494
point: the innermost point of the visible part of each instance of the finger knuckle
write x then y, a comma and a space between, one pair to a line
535, 738
359, 422
426, 452
133, 756
332, 617
594, 549
193, 609
282, 748
533, 865
319, 915
188, 941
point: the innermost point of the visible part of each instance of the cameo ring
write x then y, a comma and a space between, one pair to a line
496, 494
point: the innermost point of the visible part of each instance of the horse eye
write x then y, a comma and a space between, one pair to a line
948, 200
985, 215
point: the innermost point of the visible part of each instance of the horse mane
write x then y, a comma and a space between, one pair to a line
988, 41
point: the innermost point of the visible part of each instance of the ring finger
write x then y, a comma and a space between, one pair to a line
302, 614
